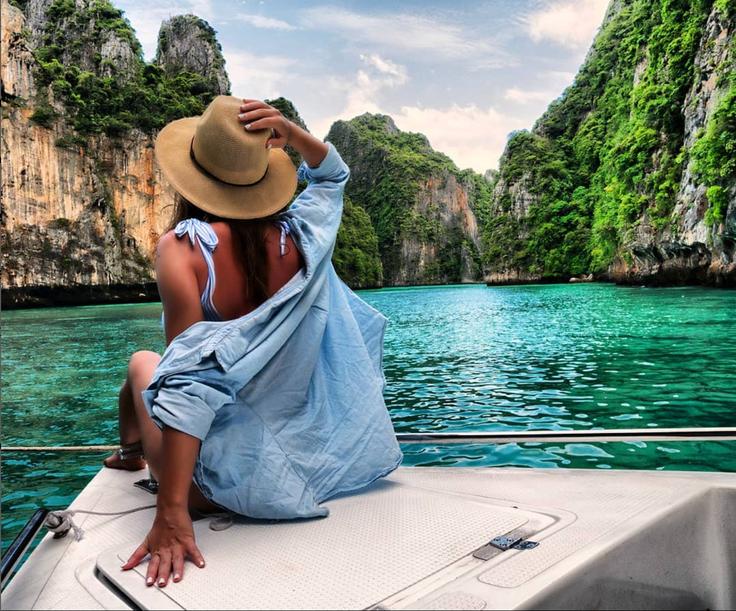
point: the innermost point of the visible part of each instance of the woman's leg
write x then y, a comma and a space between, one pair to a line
127, 422
140, 371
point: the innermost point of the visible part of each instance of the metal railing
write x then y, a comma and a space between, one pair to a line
20, 544
722, 433
652, 434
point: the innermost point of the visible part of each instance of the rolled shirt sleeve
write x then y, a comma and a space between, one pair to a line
317, 210
186, 402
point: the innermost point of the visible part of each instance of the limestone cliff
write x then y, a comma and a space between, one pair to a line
631, 173
181, 49
82, 193
420, 204
84, 202
697, 246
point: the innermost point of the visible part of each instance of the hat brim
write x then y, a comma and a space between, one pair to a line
261, 199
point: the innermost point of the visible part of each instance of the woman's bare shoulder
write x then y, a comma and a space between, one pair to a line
171, 244
222, 230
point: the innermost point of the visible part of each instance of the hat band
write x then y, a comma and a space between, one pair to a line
211, 175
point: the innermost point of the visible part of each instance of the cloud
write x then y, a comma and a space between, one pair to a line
472, 137
404, 32
570, 23
268, 23
386, 66
258, 76
525, 96
559, 77
363, 91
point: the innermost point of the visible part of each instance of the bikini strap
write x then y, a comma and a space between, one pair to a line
284, 226
202, 233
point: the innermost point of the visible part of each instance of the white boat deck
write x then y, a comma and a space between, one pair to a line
607, 539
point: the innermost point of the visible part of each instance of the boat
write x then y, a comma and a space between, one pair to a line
424, 538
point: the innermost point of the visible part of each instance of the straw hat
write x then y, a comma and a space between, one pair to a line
223, 168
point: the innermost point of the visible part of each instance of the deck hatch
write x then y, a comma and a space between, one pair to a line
371, 546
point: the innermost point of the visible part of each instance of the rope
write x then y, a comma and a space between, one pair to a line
61, 522
59, 448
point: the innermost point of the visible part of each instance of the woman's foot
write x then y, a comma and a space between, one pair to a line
131, 464
128, 458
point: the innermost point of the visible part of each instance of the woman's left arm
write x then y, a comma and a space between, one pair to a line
171, 537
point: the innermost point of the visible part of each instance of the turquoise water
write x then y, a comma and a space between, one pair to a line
460, 358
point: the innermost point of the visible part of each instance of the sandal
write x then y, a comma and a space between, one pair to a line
128, 457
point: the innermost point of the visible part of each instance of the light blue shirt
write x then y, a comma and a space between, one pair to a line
288, 399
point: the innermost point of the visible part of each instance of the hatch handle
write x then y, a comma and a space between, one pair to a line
512, 540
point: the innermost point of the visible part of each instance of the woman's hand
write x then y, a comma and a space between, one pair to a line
259, 115
169, 541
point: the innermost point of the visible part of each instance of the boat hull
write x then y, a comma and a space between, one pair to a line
418, 539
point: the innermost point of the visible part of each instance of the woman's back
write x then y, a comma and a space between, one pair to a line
230, 296
207, 255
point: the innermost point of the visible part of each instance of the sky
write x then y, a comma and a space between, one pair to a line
464, 73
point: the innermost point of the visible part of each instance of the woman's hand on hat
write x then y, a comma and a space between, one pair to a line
259, 115
255, 114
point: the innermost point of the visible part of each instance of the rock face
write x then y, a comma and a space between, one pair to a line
188, 43
420, 204
692, 250
17, 59
631, 173
77, 210
115, 50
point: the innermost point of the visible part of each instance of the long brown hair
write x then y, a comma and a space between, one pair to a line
249, 238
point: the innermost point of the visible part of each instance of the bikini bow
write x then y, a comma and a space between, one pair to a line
199, 229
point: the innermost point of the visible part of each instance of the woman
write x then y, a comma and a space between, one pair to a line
268, 399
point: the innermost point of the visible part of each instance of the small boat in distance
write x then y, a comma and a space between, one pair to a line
426, 538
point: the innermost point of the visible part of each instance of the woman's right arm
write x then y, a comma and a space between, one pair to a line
317, 210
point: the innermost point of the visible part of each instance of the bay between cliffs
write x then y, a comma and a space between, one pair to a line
457, 358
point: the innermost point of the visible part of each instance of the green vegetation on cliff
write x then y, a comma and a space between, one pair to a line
109, 94
715, 152
609, 154
391, 173
356, 257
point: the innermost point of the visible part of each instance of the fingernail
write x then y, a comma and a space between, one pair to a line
149, 581
201, 563
241, 116
177, 577
268, 146
247, 126
161, 583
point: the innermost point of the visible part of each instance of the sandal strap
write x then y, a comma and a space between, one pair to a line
130, 450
